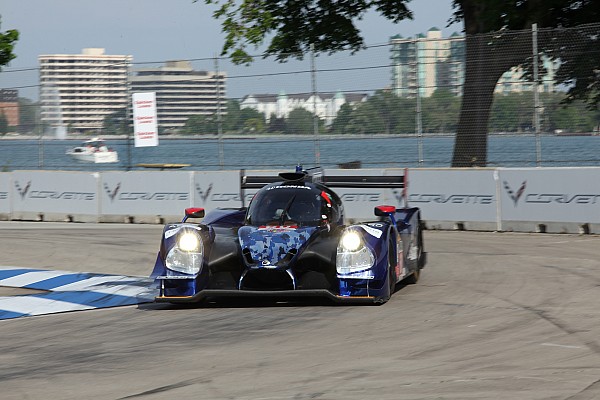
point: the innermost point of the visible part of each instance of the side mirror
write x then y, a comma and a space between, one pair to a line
384, 211
194, 212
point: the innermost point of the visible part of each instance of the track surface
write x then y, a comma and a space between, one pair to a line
495, 316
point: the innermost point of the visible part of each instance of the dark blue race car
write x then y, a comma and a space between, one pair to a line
292, 241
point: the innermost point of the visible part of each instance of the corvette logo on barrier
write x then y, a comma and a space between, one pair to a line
515, 196
116, 194
112, 193
23, 191
204, 195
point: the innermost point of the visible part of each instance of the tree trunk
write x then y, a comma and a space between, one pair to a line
481, 75
487, 57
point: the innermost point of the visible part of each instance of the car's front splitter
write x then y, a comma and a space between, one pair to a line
283, 294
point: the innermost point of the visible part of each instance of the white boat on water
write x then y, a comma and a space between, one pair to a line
94, 151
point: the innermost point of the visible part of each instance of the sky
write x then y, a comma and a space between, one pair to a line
155, 31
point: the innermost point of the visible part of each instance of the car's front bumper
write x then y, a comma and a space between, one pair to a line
276, 294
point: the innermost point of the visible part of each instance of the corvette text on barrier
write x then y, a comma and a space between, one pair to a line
292, 241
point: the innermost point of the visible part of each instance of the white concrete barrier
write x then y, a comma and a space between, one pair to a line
550, 199
144, 196
54, 196
503, 199
4, 196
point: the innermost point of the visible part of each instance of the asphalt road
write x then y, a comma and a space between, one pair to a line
495, 316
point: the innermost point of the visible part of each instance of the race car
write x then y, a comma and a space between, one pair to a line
292, 241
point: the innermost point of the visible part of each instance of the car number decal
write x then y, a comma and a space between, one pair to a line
171, 232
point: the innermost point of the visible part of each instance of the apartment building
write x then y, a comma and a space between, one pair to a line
181, 92
78, 91
429, 62
426, 63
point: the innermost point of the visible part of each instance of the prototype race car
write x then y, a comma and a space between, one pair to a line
291, 241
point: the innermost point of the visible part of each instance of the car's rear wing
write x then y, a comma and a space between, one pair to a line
333, 181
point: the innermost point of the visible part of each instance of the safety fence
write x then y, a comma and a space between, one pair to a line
346, 108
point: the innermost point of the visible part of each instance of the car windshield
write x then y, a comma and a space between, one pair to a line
280, 205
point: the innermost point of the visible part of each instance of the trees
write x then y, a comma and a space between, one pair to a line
115, 123
8, 40
294, 26
482, 73
28, 112
300, 122
201, 125
440, 112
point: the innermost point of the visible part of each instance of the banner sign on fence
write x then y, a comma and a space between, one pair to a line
145, 126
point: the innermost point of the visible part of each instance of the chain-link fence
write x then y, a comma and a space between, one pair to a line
391, 105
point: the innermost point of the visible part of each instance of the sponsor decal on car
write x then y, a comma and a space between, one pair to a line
277, 228
372, 231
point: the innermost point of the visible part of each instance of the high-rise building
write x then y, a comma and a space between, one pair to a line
427, 63
78, 91
181, 92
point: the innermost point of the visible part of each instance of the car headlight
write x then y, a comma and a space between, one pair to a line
353, 257
187, 254
189, 242
351, 241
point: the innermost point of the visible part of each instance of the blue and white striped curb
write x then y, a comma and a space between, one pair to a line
70, 291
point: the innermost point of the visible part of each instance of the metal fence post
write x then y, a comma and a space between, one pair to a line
315, 116
219, 120
419, 120
536, 97
128, 117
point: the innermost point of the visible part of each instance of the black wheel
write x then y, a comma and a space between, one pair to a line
392, 269
391, 279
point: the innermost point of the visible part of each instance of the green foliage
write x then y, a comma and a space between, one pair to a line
342, 120
28, 112
8, 40
253, 126
233, 120
300, 122
293, 26
386, 113
201, 125
296, 27
512, 113
440, 112
116, 123
382, 113
276, 125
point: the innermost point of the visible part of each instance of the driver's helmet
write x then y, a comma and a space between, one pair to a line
281, 204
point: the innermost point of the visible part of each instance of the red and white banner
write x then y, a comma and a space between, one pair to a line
145, 126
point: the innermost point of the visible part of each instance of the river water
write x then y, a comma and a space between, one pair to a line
283, 152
